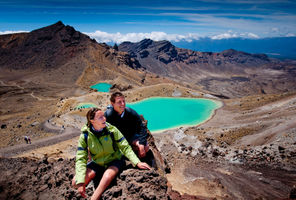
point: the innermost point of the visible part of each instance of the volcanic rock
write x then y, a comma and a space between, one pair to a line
229, 73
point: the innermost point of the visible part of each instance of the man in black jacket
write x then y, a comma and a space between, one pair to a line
129, 123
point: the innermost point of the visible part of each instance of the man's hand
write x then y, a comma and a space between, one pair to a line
81, 190
143, 165
142, 152
140, 148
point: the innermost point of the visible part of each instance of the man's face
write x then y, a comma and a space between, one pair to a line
119, 104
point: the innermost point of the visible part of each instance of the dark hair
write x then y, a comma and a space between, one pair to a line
114, 95
91, 115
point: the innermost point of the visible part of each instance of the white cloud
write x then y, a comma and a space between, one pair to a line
11, 32
136, 37
252, 35
230, 34
223, 36
290, 35
157, 36
118, 38
275, 30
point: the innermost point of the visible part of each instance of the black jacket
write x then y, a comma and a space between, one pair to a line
130, 125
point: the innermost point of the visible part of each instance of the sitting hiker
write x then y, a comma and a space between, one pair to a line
129, 124
106, 145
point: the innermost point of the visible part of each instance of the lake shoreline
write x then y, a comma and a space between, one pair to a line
218, 105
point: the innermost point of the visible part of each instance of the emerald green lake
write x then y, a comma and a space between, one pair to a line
166, 113
85, 105
101, 87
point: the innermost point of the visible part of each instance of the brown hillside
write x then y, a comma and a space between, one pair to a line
39, 68
60, 54
229, 73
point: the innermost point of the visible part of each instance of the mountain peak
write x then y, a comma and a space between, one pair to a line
67, 34
42, 47
52, 28
143, 44
146, 45
58, 23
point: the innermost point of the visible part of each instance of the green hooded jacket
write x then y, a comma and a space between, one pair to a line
101, 150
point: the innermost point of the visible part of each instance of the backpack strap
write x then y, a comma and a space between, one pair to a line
113, 140
85, 133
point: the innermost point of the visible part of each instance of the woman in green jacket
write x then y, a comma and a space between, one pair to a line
106, 146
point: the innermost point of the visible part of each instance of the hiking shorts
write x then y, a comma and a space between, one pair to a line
119, 164
99, 170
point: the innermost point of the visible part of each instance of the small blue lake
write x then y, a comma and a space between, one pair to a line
101, 87
166, 113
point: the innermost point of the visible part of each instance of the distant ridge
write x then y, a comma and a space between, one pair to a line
276, 47
162, 57
230, 72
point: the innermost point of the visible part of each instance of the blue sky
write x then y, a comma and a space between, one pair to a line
133, 20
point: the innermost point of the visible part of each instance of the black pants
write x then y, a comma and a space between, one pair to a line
100, 170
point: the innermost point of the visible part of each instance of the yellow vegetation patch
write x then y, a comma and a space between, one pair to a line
232, 135
251, 102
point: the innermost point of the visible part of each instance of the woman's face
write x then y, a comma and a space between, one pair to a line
99, 120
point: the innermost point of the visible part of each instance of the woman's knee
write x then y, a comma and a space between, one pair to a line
90, 174
111, 172
73, 183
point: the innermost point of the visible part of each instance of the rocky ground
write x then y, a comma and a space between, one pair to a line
49, 176
221, 159
204, 169
245, 151
24, 178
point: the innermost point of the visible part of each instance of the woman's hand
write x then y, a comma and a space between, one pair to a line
81, 190
143, 165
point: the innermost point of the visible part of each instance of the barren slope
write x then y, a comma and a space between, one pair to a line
229, 73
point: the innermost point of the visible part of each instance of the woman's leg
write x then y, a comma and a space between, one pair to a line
107, 178
90, 174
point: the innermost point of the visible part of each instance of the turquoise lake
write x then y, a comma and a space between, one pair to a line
166, 113
85, 105
101, 87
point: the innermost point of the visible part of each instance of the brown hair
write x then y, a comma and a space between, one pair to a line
114, 95
91, 115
